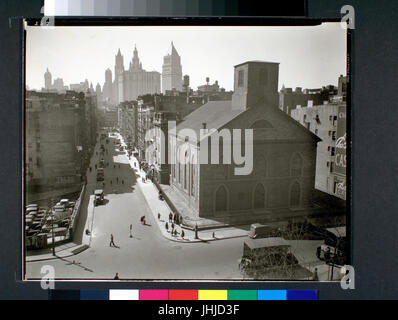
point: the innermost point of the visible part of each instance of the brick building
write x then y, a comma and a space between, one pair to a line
60, 136
282, 181
328, 122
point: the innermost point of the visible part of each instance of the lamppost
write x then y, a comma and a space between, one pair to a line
52, 226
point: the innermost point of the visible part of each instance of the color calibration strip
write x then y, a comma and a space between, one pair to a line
159, 8
128, 294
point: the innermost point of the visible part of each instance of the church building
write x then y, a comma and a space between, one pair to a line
282, 179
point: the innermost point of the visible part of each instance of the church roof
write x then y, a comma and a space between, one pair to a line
219, 114
214, 113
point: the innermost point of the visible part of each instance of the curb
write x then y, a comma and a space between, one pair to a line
84, 248
201, 240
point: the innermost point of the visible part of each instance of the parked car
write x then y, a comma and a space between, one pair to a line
98, 197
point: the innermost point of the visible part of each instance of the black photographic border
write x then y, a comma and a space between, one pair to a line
373, 170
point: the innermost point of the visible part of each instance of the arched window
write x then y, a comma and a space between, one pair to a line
261, 124
259, 197
296, 165
295, 194
192, 177
186, 168
179, 172
221, 199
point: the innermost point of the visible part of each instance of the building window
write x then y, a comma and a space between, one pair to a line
185, 175
333, 151
259, 197
295, 194
192, 179
241, 74
334, 135
221, 199
263, 78
296, 165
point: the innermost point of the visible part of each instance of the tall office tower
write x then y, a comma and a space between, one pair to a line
47, 80
172, 71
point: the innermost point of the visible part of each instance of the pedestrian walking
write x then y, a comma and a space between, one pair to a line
182, 234
170, 216
131, 229
116, 276
175, 232
214, 235
167, 226
112, 243
172, 225
158, 216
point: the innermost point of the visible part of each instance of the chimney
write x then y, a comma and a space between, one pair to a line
255, 83
204, 124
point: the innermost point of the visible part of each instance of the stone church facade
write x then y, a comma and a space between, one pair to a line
282, 179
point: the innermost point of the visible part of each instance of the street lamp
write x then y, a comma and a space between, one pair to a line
52, 226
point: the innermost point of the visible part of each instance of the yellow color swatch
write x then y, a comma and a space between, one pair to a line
213, 295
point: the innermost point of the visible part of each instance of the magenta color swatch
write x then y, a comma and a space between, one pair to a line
154, 294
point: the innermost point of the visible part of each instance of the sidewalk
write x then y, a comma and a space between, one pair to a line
63, 251
151, 194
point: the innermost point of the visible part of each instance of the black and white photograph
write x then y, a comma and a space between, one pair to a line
179, 152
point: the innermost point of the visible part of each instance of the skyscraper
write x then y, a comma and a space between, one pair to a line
47, 80
131, 83
172, 71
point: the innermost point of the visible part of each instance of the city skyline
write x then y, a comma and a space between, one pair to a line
219, 48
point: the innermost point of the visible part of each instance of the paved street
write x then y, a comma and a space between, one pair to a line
148, 254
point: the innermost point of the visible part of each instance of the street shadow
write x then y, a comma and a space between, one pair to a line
104, 202
74, 263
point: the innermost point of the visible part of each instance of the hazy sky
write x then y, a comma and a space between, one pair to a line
309, 57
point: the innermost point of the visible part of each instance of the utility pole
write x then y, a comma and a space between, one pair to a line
52, 226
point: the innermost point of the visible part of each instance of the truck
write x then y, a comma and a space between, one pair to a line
98, 197
258, 230
334, 248
100, 174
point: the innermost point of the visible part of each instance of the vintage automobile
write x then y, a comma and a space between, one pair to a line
98, 197
333, 250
